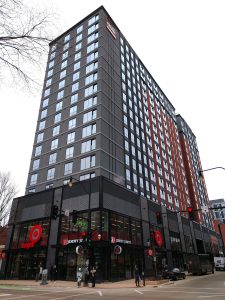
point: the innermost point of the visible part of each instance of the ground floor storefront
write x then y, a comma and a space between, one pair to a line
100, 224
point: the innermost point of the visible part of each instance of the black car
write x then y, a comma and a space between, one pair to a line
173, 274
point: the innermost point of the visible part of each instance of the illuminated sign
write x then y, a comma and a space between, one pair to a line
118, 250
34, 236
111, 29
158, 238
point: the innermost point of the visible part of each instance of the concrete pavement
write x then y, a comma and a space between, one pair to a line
71, 284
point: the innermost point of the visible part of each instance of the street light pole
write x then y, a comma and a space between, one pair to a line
200, 172
89, 236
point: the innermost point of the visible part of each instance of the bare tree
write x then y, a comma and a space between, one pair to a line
24, 37
7, 193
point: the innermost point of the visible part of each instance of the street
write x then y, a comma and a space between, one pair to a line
193, 287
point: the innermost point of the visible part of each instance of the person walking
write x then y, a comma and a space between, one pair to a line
137, 276
79, 277
93, 275
53, 273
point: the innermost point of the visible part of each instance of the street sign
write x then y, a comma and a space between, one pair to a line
205, 209
66, 212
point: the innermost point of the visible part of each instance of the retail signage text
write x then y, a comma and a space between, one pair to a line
111, 29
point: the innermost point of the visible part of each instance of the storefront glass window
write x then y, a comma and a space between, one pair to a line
120, 229
136, 232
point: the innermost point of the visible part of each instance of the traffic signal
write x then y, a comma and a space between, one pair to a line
74, 217
191, 213
84, 236
55, 210
158, 217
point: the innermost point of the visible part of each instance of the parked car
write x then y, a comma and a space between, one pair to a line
173, 274
219, 263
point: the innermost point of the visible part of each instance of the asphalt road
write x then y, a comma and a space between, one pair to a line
210, 287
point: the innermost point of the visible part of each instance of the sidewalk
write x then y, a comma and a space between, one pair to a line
72, 284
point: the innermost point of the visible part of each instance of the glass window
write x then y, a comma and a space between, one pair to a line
59, 106
76, 66
63, 74
88, 130
90, 102
74, 99
93, 20
70, 137
69, 152
78, 46
79, 29
88, 146
51, 64
60, 95
50, 73
92, 37
65, 55
87, 176
66, 46
45, 102
43, 113
87, 162
40, 137
67, 38
76, 76
73, 110
38, 150
64, 64
89, 79
92, 47
33, 179
75, 87
92, 28
51, 174
48, 82
68, 169
62, 84
91, 67
36, 164
79, 37
77, 56
52, 158
89, 116
57, 118
47, 92
55, 130
72, 123
90, 90
41, 125
54, 144
92, 56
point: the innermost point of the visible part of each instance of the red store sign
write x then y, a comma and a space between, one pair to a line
34, 236
158, 238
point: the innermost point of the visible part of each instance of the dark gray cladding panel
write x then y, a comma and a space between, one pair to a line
81, 202
34, 212
122, 206
173, 222
187, 229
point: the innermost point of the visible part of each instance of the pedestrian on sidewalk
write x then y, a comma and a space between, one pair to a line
93, 275
137, 276
53, 273
79, 277
39, 272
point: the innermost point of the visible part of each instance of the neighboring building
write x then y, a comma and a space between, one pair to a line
106, 123
218, 214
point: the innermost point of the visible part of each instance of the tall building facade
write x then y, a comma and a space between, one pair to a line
102, 113
105, 125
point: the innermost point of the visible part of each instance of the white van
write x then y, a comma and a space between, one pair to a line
219, 263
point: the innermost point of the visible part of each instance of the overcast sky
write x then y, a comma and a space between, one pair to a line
182, 44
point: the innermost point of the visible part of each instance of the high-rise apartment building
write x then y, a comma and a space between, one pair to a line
105, 124
102, 113
219, 211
